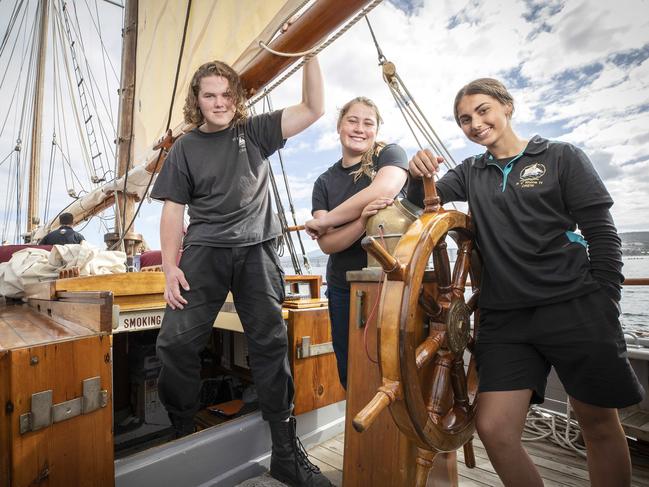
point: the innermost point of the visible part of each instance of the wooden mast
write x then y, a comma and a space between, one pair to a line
125, 203
37, 125
306, 32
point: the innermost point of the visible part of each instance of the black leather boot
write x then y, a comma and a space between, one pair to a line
289, 462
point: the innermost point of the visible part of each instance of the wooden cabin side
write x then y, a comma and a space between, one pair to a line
55, 387
127, 324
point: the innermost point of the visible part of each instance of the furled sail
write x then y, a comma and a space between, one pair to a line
228, 30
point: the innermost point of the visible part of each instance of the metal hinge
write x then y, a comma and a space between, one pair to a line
305, 349
43, 413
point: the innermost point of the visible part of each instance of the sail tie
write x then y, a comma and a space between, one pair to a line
308, 52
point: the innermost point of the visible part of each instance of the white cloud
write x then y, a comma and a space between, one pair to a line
562, 60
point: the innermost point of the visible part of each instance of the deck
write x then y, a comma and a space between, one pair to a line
557, 466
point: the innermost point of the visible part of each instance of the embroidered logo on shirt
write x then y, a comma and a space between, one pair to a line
242, 143
531, 175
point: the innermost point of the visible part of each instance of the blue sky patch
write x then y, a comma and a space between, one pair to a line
408, 6
632, 57
541, 9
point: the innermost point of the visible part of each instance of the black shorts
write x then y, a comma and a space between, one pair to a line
582, 338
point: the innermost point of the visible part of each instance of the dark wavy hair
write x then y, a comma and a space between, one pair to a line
191, 110
484, 86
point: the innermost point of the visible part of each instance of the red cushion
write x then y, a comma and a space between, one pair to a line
150, 258
6, 251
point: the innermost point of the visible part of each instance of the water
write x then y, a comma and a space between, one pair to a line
635, 299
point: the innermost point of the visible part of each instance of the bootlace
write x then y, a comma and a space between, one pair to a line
303, 457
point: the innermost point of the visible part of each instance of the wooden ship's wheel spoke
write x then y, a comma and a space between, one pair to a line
426, 334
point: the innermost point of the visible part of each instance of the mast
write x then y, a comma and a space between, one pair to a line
125, 202
37, 125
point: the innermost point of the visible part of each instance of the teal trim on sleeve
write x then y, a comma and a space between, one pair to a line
575, 237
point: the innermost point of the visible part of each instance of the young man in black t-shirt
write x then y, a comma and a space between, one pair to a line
220, 170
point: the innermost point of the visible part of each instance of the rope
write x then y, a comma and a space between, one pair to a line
13, 47
50, 173
305, 258
555, 427
7, 156
281, 215
85, 152
308, 52
410, 110
317, 50
157, 162
376, 303
10, 25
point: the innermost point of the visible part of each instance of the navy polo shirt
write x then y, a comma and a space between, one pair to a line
522, 214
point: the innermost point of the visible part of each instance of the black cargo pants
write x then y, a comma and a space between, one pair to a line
255, 277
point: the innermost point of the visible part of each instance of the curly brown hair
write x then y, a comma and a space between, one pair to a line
484, 86
191, 110
367, 159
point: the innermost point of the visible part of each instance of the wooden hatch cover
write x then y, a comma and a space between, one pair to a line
424, 333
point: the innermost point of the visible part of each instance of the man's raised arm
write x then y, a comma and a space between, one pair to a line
296, 118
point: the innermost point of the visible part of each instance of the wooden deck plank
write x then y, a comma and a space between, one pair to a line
323, 459
329, 457
557, 466
8, 337
550, 472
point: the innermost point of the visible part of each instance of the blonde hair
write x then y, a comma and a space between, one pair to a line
191, 110
484, 86
367, 159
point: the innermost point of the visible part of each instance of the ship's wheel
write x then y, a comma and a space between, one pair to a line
425, 333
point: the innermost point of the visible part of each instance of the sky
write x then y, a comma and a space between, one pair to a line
578, 71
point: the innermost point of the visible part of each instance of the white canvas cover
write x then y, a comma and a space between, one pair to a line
32, 265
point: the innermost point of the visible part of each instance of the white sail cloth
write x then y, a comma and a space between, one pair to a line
32, 265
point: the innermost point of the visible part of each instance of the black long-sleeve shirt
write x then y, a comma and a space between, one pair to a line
525, 212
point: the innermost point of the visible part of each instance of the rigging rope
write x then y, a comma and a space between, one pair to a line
408, 106
281, 215
50, 172
13, 48
94, 92
10, 25
317, 50
305, 258
540, 423
157, 162
85, 152
88, 123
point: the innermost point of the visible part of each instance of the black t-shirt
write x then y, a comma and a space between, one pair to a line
62, 236
337, 185
223, 177
523, 213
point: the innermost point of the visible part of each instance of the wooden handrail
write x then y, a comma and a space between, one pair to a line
636, 281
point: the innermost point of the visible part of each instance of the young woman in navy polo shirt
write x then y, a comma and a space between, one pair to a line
549, 297
365, 179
